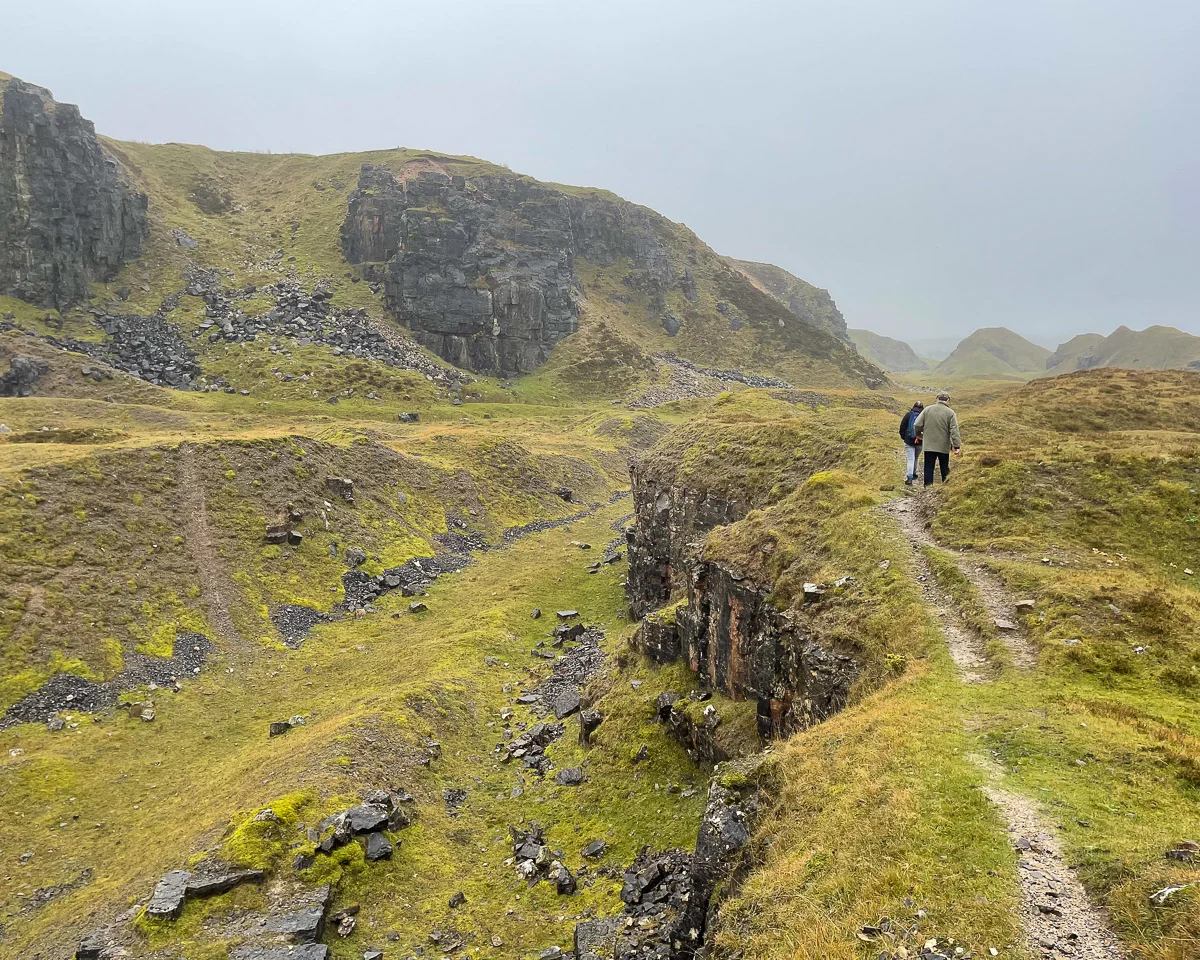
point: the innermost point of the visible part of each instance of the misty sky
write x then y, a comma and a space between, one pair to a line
939, 166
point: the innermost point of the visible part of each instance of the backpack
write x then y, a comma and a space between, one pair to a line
907, 423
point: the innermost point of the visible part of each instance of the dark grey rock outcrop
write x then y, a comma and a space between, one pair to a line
68, 213
724, 626
481, 269
23, 373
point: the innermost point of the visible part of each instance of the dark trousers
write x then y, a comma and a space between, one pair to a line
942, 459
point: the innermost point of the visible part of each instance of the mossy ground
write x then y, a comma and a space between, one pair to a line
877, 809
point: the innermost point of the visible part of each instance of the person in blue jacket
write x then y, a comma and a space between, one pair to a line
911, 441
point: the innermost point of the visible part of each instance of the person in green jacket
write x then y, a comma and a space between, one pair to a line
937, 426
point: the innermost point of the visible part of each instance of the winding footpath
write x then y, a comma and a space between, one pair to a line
1058, 918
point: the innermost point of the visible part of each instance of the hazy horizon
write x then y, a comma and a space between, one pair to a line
938, 168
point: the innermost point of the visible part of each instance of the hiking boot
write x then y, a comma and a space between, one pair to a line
908, 481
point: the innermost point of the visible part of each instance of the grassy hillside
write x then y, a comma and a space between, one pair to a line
994, 352
810, 303
895, 356
1155, 348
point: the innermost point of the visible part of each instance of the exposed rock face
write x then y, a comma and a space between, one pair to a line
23, 373
732, 636
481, 269
670, 897
67, 212
669, 528
727, 631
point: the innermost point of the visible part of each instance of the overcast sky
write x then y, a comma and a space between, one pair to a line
938, 166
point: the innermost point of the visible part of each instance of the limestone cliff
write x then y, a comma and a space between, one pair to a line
481, 268
67, 212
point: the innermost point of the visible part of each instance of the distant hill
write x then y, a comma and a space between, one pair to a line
933, 348
994, 352
895, 356
1155, 348
810, 303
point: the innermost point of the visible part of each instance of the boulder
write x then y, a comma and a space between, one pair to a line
306, 924
379, 847
167, 899
569, 776
596, 939
566, 703
366, 818
341, 487
408, 417
594, 850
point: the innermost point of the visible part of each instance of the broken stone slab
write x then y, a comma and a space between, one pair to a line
213, 884
169, 894
594, 850
589, 720
1006, 626
561, 877
408, 417
566, 703
342, 487
1025, 606
813, 592
304, 951
566, 614
596, 939
306, 924
366, 818
379, 847
417, 607
91, 947
536, 614
372, 953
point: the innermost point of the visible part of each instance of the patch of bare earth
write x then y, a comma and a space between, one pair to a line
1058, 918
966, 648
214, 583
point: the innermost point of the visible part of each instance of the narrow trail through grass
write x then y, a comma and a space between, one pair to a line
1057, 916
213, 579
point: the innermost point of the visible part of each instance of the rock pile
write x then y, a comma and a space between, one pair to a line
411, 578
68, 692
535, 861
306, 318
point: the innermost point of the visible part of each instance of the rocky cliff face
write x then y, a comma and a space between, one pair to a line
481, 268
664, 542
724, 627
67, 212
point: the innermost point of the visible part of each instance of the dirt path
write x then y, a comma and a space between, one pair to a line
910, 514
966, 648
1057, 915
213, 581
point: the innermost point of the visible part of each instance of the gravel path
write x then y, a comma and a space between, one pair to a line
966, 648
1058, 918
911, 514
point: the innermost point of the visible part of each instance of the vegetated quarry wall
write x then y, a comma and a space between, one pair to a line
723, 625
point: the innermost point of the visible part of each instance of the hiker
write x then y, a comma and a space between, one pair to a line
937, 432
909, 435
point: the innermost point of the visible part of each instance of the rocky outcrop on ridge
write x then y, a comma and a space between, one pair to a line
481, 268
68, 214
808, 302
